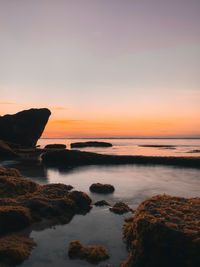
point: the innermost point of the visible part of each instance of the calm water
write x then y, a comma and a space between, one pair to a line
182, 147
133, 184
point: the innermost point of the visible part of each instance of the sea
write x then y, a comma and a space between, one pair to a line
133, 184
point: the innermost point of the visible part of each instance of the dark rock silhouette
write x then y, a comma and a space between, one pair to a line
102, 188
68, 158
25, 127
101, 203
93, 254
55, 146
164, 232
120, 208
6, 152
90, 144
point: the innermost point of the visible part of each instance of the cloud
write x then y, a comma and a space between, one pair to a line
8, 103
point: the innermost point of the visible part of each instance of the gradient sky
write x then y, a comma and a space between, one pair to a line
105, 68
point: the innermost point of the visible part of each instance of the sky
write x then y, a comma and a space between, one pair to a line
105, 68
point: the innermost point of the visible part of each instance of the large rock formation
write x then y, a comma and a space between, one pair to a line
25, 127
165, 231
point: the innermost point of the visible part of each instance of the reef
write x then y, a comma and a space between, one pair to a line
102, 188
120, 208
65, 158
24, 128
90, 144
93, 254
165, 231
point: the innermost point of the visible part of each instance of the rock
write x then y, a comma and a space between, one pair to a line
9, 172
25, 127
6, 152
93, 254
23, 202
15, 248
82, 200
52, 201
15, 186
101, 203
194, 151
55, 146
120, 208
13, 218
161, 146
90, 144
164, 232
102, 188
68, 158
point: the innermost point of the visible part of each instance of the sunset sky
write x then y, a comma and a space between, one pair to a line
105, 68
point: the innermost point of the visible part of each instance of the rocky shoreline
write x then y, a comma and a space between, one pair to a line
164, 230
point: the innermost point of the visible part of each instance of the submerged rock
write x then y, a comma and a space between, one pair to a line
165, 231
15, 248
121, 208
90, 144
101, 203
55, 146
25, 127
93, 254
6, 152
102, 188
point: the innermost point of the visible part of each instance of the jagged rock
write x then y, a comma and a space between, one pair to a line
101, 203
15, 248
90, 144
102, 188
25, 127
165, 231
121, 208
55, 146
5, 151
93, 254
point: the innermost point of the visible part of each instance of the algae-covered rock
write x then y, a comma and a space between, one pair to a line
120, 208
102, 188
93, 254
9, 172
165, 231
15, 248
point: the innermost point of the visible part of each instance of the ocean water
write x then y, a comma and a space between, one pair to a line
179, 147
133, 184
